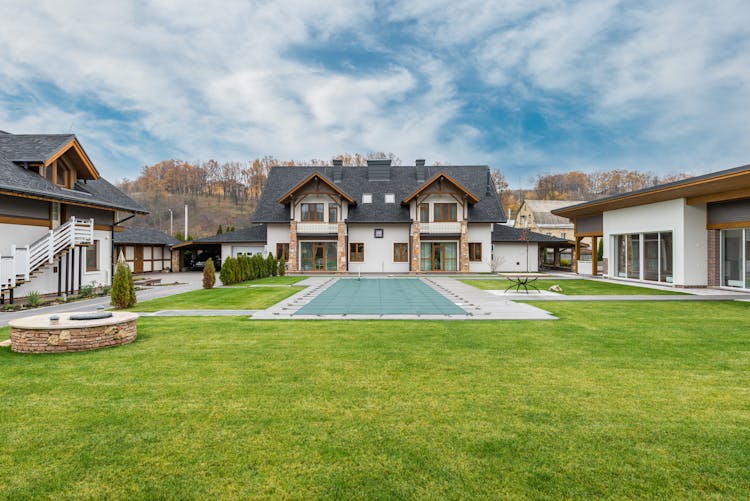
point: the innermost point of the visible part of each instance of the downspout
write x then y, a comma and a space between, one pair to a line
346, 243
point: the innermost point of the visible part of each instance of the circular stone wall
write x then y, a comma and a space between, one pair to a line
38, 334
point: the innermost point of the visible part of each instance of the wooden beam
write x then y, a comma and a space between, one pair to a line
594, 256
50, 199
590, 234
725, 226
29, 221
719, 197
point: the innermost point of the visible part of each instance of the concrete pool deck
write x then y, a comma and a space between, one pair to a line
475, 303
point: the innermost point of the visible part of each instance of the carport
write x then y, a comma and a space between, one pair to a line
195, 250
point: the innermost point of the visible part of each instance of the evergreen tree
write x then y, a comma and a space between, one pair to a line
209, 274
123, 289
219, 231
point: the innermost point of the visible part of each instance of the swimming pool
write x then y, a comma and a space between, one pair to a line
380, 296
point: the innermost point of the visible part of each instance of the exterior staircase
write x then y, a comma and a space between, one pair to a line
27, 261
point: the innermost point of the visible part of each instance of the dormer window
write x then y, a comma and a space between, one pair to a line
367, 198
390, 198
312, 212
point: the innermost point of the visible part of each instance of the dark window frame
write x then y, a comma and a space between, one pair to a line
356, 252
95, 267
402, 254
475, 256
284, 251
309, 209
439, 210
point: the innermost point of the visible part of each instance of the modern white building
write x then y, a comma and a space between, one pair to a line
690, 233
57, 216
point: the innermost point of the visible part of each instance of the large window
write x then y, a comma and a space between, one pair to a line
400, 252
475, 251
92, 257
734, 255
333, 213
644, 256
439, 256
282, 250
318, 256
446, 212
424, 213
356, 252
312, 212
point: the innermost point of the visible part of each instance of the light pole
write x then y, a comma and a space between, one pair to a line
171, 221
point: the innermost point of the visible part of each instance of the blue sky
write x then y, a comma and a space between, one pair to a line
528, 87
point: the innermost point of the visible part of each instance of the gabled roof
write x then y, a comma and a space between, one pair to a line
144, 236
542, 210
315, 175
18, 181
401, 182
442, 175
504, 233
729, 184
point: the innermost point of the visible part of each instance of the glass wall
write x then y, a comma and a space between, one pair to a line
732, 246
439, 256
644, 256
318, 256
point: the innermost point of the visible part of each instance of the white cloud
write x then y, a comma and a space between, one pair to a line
222, 80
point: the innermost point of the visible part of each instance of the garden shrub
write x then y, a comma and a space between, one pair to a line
123, 290
34, 299
282, 267
271, 264
227, 271
209, 274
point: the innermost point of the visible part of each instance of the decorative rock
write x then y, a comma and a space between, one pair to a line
555, 288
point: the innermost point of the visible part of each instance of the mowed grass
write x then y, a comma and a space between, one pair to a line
285, 280
222, 298
574, 287
614, 400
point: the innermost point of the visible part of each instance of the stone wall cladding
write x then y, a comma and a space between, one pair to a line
292, 264
605, 266
714, 258
72, 339
341, 249
416, 248
463, 251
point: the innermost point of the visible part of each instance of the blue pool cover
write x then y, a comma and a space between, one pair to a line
380, 296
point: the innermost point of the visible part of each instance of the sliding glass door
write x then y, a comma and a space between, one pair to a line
644, 256
318, 256
735, 251
439, 256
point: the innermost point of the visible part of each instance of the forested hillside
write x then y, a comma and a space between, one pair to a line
226, 194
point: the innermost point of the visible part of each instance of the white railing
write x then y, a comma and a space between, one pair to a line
317, 228
25, 259
448, 228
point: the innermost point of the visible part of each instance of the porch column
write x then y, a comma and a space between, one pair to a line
556, 254
292, 264
577, 254
416, 247
463, 252
341, 249
594, 256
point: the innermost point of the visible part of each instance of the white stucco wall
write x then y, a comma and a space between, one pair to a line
512, 256
379, 251
234, 249
46, 283
276, 233
481, 232
687, 224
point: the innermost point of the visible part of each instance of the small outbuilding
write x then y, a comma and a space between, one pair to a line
523, 250
244, 241
146, 249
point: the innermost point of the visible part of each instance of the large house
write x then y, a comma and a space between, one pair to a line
57, 216
690, 233
381, 218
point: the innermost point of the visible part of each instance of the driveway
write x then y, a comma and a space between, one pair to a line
188, 282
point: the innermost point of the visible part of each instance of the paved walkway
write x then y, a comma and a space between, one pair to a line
188, 281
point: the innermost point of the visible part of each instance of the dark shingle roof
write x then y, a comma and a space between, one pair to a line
503, 233
402, 182
254, 233
146, 236
37, 148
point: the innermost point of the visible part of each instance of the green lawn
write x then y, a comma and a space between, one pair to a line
220, 299
285, 280
575, 287
615, 400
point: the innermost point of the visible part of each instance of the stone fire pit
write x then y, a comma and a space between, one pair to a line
67, 332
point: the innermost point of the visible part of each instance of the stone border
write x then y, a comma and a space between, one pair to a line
37, 335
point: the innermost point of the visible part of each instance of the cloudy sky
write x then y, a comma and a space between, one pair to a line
525, 86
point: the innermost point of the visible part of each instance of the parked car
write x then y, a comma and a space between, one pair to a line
200, 263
